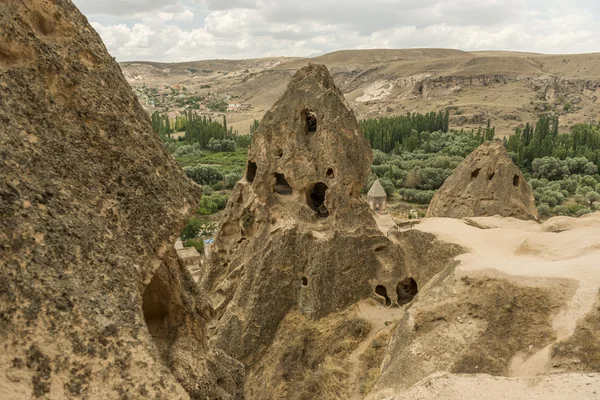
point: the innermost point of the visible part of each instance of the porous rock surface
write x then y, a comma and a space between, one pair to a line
279, 248
486, 183
90, 206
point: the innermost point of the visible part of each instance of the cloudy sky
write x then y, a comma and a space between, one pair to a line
185, 30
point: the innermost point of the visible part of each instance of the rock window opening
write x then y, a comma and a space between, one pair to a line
475, 173
491, 176
279, 153
281, 185
251, 171
330, 173
516, 180
310, 122
304, 281
406, 290
316, 199
380, 290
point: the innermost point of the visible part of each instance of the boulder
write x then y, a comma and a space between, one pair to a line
486, 183
93, 302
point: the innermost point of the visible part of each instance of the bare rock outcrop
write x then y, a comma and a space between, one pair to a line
296, 234
93, 303
486, 183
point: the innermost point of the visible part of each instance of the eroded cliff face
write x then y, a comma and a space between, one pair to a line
90, 205
486, 183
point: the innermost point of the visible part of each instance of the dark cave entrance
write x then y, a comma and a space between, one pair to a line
330, 173
475, 173
380, 290
251, 171
316, 199
310, 122
516, 180
281, 185
406, 290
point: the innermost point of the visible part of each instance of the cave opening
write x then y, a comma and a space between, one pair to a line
491, 176
304, 281
516, 180
380, 290
475, 173
310, 122
330, 173
315, 199
281, 185
406, 290
251, 171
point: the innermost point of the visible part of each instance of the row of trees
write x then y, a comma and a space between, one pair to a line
164, 126
388, 133
544, 140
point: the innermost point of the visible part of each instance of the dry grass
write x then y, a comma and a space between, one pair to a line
370, 362
308, 359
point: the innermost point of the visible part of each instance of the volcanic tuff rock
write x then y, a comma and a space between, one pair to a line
296, 233
92, 300
486, 183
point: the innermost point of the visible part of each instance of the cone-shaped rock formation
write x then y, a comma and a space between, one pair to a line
296, 233
486, 183
93, 303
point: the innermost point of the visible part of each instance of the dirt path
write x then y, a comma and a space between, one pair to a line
381, 319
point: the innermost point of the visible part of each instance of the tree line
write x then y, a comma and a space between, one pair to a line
544, 140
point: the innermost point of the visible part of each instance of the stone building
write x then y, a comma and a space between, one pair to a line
376, 197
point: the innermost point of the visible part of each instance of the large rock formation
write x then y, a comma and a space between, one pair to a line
486, 183
296, 233
92, 300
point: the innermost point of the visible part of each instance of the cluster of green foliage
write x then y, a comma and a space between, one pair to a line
196, 227
565, 187
218, 105
195, 230
419, 172
165, 126
388, 133
544, 140
186, 150
405, 132
218, 145
201, 129
212, 203
197, 243
203, 175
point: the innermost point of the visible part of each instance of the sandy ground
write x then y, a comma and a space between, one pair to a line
562, 247
463, 387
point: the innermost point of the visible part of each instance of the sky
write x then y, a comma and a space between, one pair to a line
190, 30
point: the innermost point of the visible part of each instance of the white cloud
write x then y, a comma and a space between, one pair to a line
178, 30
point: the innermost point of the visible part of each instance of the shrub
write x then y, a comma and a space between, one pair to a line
544, 209
561, 210
188, 150
388, 186
218, 145
204, 175
191, 230
583, 211
211, 204
197, 243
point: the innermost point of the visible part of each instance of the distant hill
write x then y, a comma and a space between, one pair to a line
510, 88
